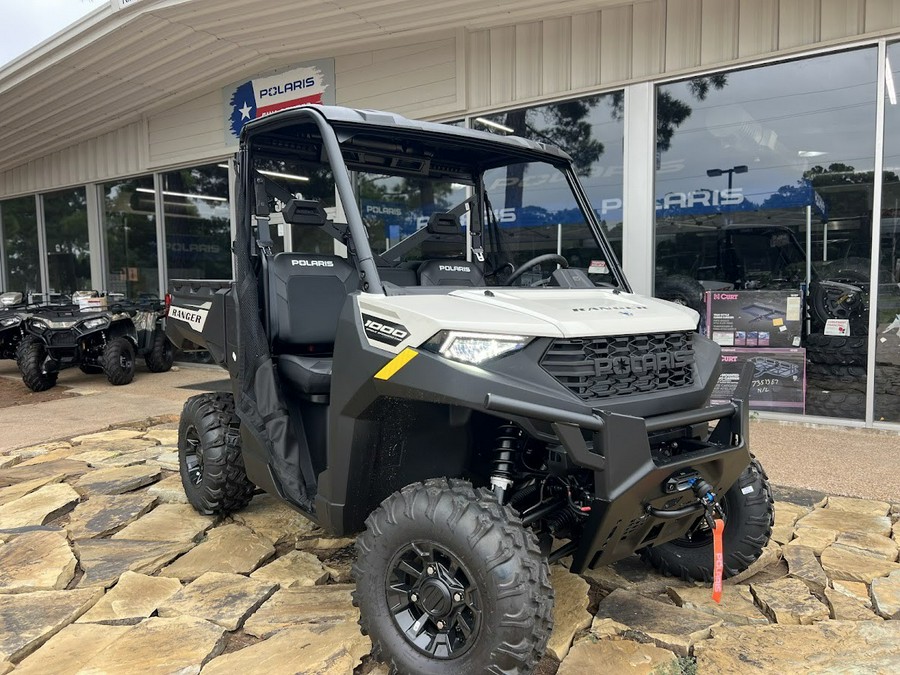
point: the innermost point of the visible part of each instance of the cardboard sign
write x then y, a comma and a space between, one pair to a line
754, 318
778, 383
840, 327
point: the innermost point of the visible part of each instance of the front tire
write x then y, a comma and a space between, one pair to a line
209, 455
449, 582
749, 515
30, 356
161, 355
118, 361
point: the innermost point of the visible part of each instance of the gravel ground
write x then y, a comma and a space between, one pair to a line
13, 392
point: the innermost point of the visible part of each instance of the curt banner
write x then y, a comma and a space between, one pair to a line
311, 82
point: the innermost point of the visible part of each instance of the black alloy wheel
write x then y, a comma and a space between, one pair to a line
434, 600
448, 581
193, 455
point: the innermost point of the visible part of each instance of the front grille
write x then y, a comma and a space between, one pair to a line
62, 338
598, 368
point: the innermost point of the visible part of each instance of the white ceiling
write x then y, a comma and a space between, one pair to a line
114, 66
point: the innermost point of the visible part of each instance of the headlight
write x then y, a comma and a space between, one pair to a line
474, 348
44, 324
91, 324
9, 321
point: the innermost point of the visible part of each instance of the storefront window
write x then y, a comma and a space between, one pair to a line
198, 223
68, 249
765, 176
887, 338
130, 224
21, 260
591, 130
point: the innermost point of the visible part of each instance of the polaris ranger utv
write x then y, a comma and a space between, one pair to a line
413, 375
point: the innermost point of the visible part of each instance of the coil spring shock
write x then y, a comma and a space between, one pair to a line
508, 437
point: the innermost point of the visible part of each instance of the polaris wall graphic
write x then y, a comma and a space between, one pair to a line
472, 408
311, 82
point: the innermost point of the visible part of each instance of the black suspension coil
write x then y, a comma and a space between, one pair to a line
508, 438
562, 518
524, 496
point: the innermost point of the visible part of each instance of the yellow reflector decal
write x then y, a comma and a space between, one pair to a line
395, 364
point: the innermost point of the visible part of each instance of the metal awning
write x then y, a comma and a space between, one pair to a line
116, 65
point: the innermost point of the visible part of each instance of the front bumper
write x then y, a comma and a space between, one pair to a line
631, 508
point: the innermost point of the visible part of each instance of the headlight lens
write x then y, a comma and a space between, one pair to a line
475, 348
9, 321
90, 324
44, 324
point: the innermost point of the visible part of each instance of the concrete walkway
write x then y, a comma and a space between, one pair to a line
830, 459
96, 404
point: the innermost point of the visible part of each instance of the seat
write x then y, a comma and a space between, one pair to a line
450, 272
306, 293
447, 237
311, 375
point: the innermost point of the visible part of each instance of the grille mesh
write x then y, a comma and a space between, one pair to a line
62, 338
598, 368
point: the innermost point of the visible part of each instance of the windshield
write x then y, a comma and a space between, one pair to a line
529, 210
532, 211
394, 207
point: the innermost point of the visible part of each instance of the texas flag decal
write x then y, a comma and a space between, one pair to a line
264, 95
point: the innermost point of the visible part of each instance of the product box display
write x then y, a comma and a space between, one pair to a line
779, 378
754, 318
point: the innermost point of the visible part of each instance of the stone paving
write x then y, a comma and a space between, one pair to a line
104, 568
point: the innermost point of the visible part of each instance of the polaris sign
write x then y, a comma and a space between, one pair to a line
311, 82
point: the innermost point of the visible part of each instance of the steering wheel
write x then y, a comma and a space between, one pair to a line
537, 260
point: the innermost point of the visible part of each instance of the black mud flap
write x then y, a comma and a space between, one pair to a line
285, 456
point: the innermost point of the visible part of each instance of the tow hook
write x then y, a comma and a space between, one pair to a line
707, 499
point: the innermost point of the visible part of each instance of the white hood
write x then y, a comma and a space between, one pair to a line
538, 312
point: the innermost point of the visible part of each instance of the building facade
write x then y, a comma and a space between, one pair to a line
736, 151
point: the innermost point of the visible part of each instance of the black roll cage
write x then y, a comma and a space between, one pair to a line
355, 234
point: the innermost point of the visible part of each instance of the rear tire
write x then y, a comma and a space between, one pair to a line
30, 356
748, 526
209, 455
443, 546
162, 353
118, 361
